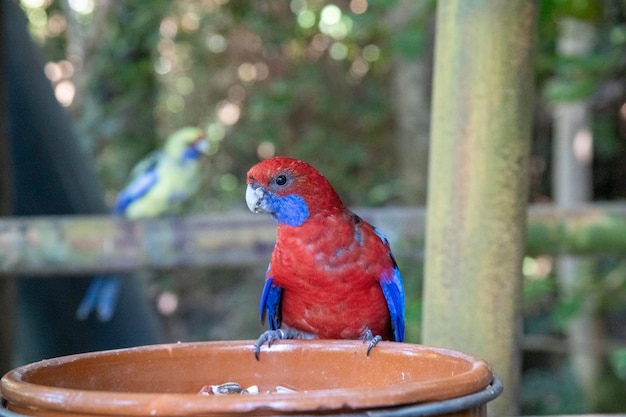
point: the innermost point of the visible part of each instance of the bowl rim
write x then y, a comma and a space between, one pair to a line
20, 393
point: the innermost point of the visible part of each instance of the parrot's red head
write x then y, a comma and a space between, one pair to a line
289, 189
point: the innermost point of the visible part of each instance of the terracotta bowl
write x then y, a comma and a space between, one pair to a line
164, 380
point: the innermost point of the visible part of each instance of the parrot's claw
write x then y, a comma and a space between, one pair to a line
373, 343
269, 336
368, 336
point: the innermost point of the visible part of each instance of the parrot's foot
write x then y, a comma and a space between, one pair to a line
373, 343
269, 336
369, 337
101, 297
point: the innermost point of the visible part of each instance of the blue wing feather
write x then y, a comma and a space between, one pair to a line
270, 304
136, 189
393, 289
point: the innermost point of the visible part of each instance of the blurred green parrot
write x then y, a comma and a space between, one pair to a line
159, 185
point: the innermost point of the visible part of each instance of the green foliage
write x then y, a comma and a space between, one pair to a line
536, 290
331, 111
547, 314
572, 78
410, 43
412, 274
607, 142
618, 361
578, 9
413, 41
552, 392
576, 78
567, 309
383, 3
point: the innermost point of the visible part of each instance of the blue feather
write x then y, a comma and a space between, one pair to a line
136, 189
270, 304
393, 290
381, 235
192, 153
290, 210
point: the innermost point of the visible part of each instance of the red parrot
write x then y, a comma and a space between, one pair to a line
331, 274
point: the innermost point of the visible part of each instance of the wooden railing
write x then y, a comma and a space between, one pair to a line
82, 244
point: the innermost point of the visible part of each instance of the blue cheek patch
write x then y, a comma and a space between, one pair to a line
192, 154
290, 210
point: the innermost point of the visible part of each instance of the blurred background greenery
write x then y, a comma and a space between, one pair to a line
346, 86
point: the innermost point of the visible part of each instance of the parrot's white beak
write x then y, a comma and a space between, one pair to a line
254, 198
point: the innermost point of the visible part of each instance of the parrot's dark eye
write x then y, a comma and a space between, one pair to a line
281, 180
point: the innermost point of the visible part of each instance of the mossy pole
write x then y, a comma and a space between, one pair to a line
480, 142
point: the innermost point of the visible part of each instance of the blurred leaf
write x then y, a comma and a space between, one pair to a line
617, 359
617, 35
567, 309
579, 9
551, 391
537, 289
383, 3
563, 89
606, 141
597, 64
409, 43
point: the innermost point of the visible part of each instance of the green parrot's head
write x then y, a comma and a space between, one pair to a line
190, 141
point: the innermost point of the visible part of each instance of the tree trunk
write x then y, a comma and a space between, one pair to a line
478, 183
